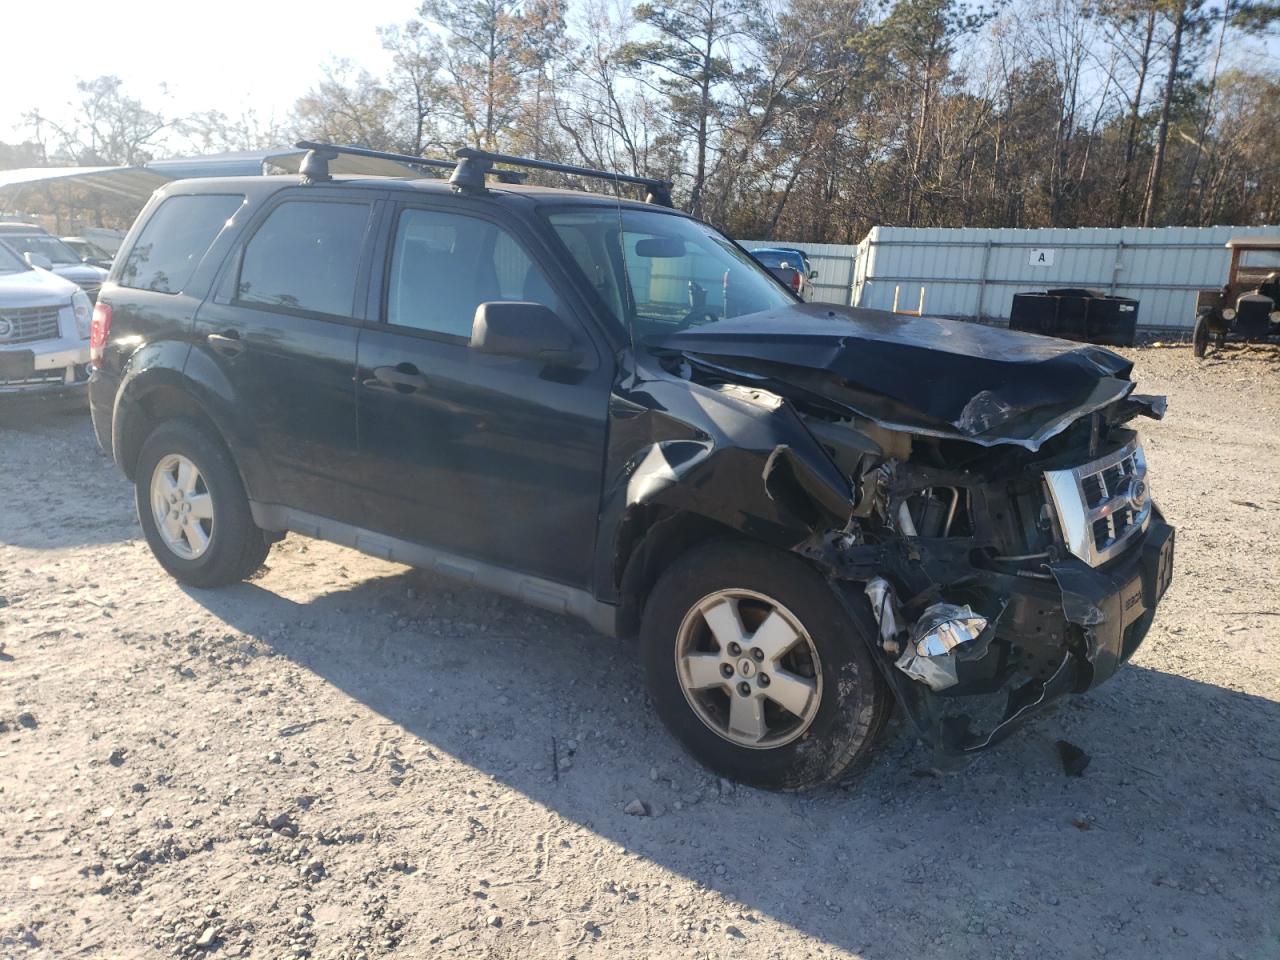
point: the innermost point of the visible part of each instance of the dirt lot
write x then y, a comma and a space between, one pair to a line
345, 758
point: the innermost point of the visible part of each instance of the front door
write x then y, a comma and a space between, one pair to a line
491, 457
283, 333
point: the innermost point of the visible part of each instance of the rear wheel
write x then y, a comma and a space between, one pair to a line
756, 667
1200, 336
193, 508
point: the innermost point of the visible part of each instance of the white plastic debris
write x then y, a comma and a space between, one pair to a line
885, 606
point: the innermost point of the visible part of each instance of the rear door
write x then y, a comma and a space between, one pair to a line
282, 330
491, 457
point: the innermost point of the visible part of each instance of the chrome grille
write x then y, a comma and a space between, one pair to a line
1102, 505
28, 324
38, 378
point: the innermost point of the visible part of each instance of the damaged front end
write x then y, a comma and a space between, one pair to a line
979, 586
1021, 565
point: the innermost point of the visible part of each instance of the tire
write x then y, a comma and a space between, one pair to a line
1200, 336
848, 701
235, 547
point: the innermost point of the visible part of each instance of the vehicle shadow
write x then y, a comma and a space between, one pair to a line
57, 488
1163, 832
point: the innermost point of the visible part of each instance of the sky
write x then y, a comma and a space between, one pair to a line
249, 53
181, 58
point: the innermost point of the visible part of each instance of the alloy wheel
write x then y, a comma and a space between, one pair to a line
181, 506
748, 668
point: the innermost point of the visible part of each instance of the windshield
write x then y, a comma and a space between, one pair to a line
1260, 258
659, 272
51, 247
10, 262
775, 260
86, 248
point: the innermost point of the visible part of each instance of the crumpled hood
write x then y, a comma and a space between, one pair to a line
925, 375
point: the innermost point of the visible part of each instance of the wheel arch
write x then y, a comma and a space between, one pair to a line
650, 537
157, 394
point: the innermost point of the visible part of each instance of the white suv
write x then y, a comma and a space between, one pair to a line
44, 329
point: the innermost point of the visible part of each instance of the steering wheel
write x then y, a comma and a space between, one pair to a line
698, 307
694, 317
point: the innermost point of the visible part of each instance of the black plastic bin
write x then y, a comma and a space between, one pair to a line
1076, 314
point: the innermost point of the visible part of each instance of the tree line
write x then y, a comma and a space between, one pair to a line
811, 120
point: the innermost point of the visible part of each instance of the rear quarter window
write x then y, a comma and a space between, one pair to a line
175, 240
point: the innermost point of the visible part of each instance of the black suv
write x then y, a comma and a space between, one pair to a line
607, 408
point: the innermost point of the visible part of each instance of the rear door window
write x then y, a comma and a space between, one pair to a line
175, 240
305, 257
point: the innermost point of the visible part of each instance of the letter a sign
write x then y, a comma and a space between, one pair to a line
1041, 258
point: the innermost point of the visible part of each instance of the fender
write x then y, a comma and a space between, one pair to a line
150, 366
737, 457
187, 382
210, 387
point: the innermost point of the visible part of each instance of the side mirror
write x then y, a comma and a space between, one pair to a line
38, 260
813, 274
518, 328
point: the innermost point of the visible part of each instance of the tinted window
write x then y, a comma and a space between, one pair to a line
305, 257
175, 239
444, 265
769, 259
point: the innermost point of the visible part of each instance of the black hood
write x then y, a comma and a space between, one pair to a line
925, 375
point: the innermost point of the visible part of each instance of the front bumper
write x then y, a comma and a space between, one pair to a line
46, 366
1073, 632
1112, 608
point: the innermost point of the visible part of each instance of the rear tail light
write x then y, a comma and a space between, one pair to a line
99, 329
795, 280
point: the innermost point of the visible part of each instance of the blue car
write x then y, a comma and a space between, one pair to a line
789, 265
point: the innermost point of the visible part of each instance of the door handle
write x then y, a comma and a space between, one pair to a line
402, 378
227, 343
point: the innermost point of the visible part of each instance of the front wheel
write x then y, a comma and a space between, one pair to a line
758, 670
1200, 336
193, 508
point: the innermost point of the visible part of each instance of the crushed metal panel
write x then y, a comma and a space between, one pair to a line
922, 375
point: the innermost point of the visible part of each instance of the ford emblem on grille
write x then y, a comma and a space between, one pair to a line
1136, 493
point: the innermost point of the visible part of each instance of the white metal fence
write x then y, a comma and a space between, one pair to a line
974, 273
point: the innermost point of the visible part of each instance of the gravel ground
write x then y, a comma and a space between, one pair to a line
346, 758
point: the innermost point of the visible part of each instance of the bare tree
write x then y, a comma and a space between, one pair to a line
348, 106
107, 127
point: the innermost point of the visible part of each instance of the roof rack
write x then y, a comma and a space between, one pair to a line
315, 165
474, 164
471, 168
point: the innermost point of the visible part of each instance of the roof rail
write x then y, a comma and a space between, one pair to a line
315, 165
474, 164
471, 168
